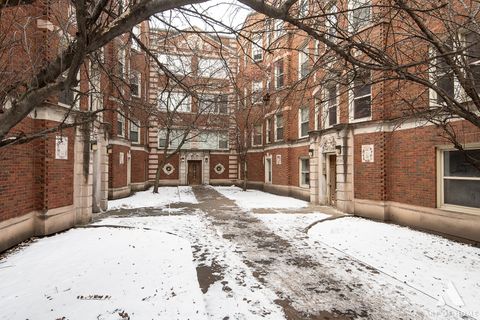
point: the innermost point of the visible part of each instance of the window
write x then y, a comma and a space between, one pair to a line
175, 138
257, 47
134, 132
175, 101
303, 123
362, 95
278, 127
269, 130
136, 32
212, 68
120, 125
70, 96
177, 64
442, 77
95, 81
222, 140
257, 135
304, 172
257, 92
302, 8
279, 28
135, 83
303, 63
214, 103
122, 67
460, 181
268, 30
359, 14
331, 104
279, 74
472, 43
331, 21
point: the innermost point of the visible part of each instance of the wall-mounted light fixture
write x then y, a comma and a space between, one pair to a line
338, 149
206, 159
183, 159
94, 145
310, 152
109, 149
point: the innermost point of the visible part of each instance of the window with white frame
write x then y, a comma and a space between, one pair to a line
362, 95
278, 127
257, 135
257, 47
279, 28
268, 125
136, 32
303, 121
95, 81
330, 105
459, 179
212, 140
135, 83
177, 64
223, 140
442, 77
331, 21
212, 68
303, 62
134, 132
175, 101
472, 43
302, 8
278, 74
121, 62
257, 92
304, 172
360, 14
120, 125
213, 103
268, 30
70, 96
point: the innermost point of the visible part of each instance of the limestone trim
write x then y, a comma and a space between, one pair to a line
120, 142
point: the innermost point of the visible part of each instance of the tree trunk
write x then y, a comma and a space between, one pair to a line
244, 166
161, 163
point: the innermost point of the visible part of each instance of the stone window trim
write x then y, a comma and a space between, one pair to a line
269, 170
442, 178
304, 172
356, 95
303, 122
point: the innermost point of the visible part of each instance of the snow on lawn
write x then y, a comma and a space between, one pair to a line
164, 197
255, 199
101, 273
444, 269
237, 294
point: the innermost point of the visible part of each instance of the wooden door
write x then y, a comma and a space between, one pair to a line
332, 179
194, 172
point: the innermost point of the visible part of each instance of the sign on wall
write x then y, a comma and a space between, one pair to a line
61, 148
121, 158
278, 159
367, 153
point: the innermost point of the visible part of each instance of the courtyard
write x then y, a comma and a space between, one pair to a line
221, 253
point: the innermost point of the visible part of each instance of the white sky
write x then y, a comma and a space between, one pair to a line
229, 12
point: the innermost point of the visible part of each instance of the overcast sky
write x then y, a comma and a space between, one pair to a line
229, 12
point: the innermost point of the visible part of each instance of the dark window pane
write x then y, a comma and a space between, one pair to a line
462, 192
304, 129
361, 107
332, 116
446, 83
134, 135
279, 133
455, 164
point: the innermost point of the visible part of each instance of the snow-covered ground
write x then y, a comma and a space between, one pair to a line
255, 199
292, 224
147, 199
443, 269
102, 273
237, 294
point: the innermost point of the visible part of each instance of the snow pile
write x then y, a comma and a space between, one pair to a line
255, 199
146, 199
444, 269
102, 273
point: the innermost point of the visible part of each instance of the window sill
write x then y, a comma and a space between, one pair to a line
364, 119
305, 186
460, 209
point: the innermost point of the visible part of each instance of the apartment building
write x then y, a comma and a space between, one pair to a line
332, 136
190, 134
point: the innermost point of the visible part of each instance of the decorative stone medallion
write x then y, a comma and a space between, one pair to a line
219, 168
168, 169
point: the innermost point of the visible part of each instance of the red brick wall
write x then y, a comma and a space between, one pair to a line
139, 166
294, 163
216, 159
118, 172
255, 167
174, 161
369, 176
